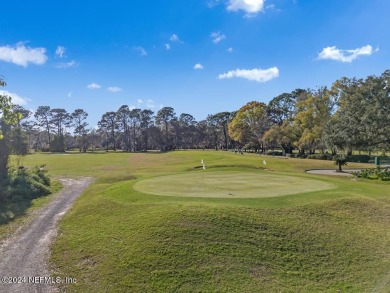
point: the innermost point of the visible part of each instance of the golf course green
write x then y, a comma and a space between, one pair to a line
229, 185
158, 222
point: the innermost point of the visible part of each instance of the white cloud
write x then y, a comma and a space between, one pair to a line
273, 8
257, 74
249, 6
69, 64
212, 3
198, 66
348, 56
114, 89
139, 101
217, 37
230, 50
174, 38
167, 46
69, 94
60, 51
94, 86
15, 99
22, 55
150, 104
141, 50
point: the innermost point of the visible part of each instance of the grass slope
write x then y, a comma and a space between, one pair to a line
117, 239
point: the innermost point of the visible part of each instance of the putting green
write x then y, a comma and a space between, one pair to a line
229, 185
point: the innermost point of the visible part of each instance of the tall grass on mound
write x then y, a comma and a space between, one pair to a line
21, 187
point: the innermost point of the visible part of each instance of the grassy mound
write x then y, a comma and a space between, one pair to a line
119, 239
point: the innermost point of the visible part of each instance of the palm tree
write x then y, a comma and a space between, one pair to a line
340, 160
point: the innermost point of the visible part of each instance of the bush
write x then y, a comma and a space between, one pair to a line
29, 184
4, 191
274, 153
320, 157
382, 173
365, 173
358, 158
19, 188
41, 173
58, 144
377, 173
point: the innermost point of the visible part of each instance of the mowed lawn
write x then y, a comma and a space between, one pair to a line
118, 238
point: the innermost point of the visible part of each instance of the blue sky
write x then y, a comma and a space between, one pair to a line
197, 56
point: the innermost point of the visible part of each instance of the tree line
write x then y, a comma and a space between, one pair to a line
353, 114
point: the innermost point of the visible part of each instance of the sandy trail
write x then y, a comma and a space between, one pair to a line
24, 256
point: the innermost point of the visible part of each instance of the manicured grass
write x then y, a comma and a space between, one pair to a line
120, 239
229, 184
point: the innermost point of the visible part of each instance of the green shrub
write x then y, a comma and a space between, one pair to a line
377, 173
382, 173
4, 192
358, 158
29, 184
7, 216
41, 172
365, 173
320, 157
58, 144
19, 188
274, 153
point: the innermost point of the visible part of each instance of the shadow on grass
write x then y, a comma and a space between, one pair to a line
115, 179
15, 206
102, 152
12, 210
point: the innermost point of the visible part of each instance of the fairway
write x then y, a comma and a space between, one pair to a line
157, 222
229, 185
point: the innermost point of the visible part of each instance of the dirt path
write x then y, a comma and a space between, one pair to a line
24, 256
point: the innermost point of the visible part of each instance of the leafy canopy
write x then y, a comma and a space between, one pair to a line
7, 116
